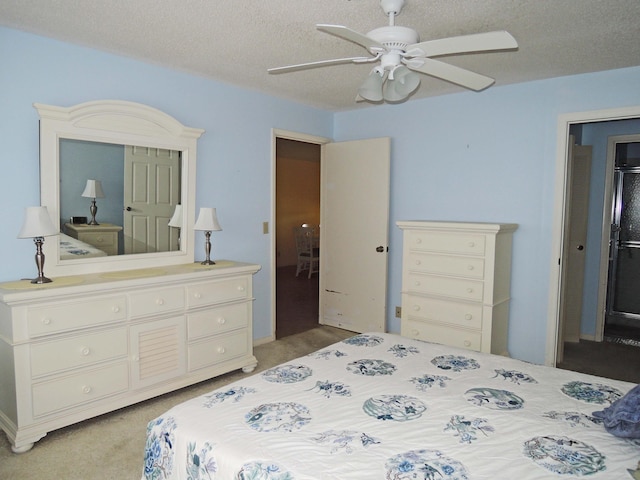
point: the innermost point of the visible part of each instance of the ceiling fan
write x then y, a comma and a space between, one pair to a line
401, 55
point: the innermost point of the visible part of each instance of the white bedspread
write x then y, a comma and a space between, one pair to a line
381, 406
71, 248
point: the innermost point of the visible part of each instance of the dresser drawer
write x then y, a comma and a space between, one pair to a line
467, 315
455, 337
445, 286
216, 292
78, 351
155, 302
446, 242
217, 320
217, 350
99, 239
54, 318
86, 386
470, 267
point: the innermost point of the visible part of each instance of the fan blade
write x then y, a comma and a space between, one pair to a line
450, 73
353, 36
321, 63
478, 42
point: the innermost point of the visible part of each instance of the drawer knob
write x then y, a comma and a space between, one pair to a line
415, 333
467, 343
86, 389
159, 301
468, 316
417, 284
221, 350
416, 308
46, 321
197, 295
469, 290
115, 309
85, 351
222, 320
418, 240
418, 262
472, 244
469, 267
241, 288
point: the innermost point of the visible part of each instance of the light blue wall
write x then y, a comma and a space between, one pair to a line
488, 156
234, 154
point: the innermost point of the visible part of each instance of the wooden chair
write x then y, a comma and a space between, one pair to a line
307, 250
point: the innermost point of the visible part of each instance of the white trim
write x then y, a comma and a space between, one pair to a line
300, 137
564, 122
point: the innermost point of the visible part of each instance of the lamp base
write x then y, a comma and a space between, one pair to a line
208, 262
41, 279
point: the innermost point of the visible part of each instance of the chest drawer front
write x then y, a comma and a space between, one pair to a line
217, 320
216, 292
78, 351
99, 239
86, 386
54, 318
218, 349
447, 242
445, 286
471, 267
468, 315
154, 302
441, 334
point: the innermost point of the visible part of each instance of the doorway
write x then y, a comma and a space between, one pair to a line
607, 124
622, 317
297, 202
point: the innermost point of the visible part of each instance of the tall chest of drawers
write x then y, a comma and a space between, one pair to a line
89, 344
456, 283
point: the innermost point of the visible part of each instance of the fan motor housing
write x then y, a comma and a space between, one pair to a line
394, 37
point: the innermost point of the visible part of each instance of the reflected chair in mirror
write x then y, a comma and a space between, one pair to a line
307, 250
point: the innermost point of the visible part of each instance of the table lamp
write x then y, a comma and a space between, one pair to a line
37, 225
207, 221
93, 189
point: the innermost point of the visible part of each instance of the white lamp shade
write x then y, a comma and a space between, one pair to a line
37, 223
403, 83
93, 189
371, 89
207, 220
176, 219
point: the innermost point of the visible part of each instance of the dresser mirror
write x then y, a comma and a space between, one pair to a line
136, 164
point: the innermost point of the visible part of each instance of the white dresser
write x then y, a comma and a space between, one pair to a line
455, 283
89, 344
103, 236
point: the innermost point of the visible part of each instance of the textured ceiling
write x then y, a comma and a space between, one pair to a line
236, 41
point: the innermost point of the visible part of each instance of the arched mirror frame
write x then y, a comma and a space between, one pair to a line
123, 123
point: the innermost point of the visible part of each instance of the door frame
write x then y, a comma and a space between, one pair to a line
300, 137
557, 240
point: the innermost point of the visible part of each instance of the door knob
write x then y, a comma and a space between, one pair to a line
380, 249
580, 247
128, 209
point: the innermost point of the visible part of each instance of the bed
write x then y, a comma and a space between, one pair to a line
382, 406
71, 248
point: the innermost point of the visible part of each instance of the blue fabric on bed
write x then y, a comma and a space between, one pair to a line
622, 418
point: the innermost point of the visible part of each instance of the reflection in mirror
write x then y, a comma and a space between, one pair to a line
144, 161
140, 192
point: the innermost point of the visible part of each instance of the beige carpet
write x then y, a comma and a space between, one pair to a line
112, 446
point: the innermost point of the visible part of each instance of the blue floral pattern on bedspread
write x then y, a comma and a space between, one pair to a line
381, 406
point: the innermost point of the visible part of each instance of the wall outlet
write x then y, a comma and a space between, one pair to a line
265, 227
398, 312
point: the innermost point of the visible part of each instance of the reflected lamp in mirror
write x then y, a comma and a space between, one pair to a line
37, 225
176, 221
93, 190
207, 221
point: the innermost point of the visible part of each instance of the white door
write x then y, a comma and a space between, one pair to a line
354, 225
574, 246
151, 192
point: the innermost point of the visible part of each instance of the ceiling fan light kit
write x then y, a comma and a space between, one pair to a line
401, 55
